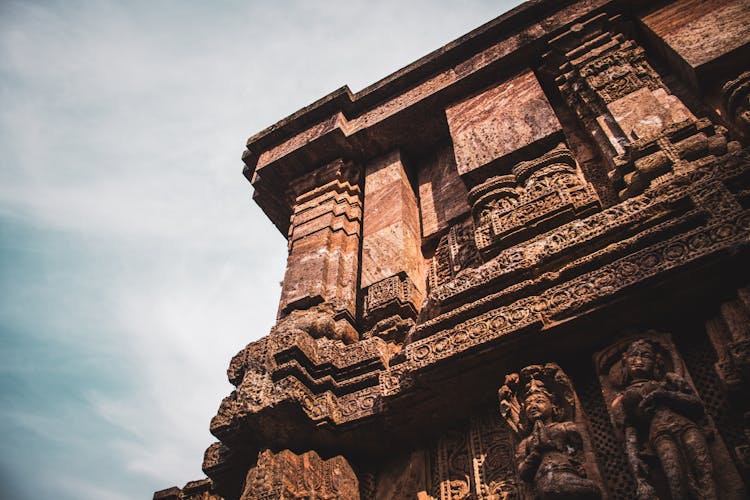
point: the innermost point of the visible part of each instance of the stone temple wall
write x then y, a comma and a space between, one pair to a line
518, 268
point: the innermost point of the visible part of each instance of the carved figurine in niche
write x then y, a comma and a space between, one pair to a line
661, 419
539, 405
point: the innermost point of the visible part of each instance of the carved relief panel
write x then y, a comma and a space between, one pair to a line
455, 252
623, 103
541, 194
671, 444
285, 475
553, 457
475, 463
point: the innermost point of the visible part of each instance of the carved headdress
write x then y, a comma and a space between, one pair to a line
546, 379
611, 361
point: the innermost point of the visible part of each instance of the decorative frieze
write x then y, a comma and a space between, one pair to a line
542, 193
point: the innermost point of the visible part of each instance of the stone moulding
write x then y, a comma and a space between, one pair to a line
336, 384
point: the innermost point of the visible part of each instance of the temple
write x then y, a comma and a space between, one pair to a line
517, 269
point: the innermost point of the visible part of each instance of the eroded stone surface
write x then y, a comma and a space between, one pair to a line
490, 126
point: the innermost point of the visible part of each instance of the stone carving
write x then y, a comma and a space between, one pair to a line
324, 245
678, 149
525, 263
393, 329
393, 296
541, 194
662, 423
455, 252
736, 95
605, 78
730, 335
202, 489
285, 475
538, 404
475, 462
729, 332
652, 213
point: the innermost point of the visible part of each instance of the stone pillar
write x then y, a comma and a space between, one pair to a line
323, 243
392, 280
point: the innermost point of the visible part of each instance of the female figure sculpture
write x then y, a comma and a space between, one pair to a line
550, 455
659, 413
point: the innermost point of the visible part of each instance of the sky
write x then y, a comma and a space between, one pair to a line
133, 262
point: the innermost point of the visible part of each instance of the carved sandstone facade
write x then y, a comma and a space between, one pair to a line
554, 209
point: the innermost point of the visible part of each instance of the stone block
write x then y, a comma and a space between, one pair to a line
442, 194
391, 235
701, 32
510, 116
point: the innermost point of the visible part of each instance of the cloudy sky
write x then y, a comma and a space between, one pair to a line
133, 263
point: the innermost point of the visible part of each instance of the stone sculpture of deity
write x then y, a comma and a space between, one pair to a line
661, 417
537, 404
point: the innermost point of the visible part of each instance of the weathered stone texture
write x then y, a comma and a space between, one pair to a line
699, 31
288, 476
508, 117
392, 262
515, 216
442, 194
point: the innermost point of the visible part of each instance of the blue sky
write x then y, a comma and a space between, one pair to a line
133, 263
